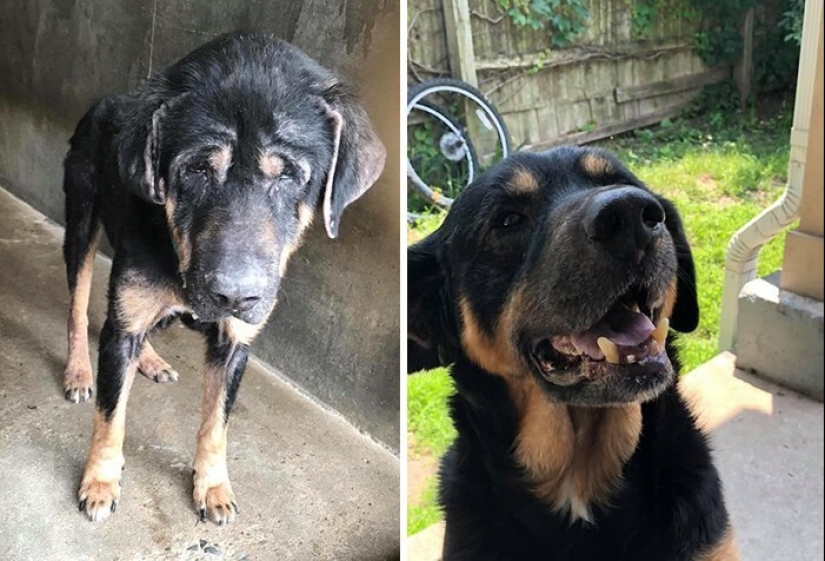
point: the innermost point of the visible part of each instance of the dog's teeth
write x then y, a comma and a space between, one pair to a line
660, 333
611, 352
630, 359
635, 308
654, 348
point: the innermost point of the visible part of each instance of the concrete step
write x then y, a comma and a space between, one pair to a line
768, 446
308, 484
780, 336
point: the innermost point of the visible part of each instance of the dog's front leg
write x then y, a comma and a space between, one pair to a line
225, 365
100, 487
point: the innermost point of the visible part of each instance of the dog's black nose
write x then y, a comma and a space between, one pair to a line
627, 217
238, 292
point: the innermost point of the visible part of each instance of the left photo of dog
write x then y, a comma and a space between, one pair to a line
193, 194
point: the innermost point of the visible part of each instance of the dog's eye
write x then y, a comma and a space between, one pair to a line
297, 173
198, 170
510, 219
291, 173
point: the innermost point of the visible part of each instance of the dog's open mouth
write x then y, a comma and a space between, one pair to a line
625, 335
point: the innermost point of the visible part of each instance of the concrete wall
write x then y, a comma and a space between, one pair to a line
335, 332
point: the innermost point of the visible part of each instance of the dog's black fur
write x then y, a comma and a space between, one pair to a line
517, 260
204, 180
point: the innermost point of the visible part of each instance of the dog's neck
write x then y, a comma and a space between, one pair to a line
573, 455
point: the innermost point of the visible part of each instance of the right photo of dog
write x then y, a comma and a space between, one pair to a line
592, 354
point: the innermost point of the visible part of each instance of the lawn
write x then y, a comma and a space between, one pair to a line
721, 168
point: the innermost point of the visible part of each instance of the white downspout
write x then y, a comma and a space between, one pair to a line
743, 249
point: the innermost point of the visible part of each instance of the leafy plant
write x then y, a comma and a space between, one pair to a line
791, 21
776, 56
564, 18
643, 14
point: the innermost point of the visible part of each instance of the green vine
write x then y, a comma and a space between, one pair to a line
791, 21
643, 14
718, 40
566, 19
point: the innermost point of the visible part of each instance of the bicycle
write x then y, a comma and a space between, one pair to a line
454, 133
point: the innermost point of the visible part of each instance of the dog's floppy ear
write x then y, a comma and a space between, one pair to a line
139, 149
426, 306
357, 158
685, 315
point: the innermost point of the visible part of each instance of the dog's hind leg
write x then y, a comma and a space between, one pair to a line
79, 246
154, 367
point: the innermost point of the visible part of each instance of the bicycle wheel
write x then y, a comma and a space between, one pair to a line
481, 125
438, 148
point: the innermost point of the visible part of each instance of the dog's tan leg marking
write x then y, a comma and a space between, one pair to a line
212, 491
77, 376
100, 487
154, 367
725, 550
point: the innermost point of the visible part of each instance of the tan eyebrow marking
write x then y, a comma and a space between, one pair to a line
220, 159
523, 181
595, 165
272, 165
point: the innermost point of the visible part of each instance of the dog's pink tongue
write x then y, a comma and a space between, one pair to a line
625, 328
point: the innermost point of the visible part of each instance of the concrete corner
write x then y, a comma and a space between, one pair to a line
781, 337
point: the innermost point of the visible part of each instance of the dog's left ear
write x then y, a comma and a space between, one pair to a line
357, 157
685, 315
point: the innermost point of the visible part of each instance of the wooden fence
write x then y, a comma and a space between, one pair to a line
604, 83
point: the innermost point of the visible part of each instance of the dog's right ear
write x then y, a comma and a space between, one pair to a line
139, 150
426, 295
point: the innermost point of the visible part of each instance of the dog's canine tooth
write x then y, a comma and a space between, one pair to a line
654, 348
630, 359
611, 352
660, 333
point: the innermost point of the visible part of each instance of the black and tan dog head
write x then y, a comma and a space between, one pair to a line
562, 267
242, 141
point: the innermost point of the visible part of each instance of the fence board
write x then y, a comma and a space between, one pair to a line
654, 89
605, 78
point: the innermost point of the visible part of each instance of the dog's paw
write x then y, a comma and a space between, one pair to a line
154, 367
217, 503
77, 383
98, 499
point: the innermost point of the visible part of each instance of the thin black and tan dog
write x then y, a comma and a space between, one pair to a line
205, 181
550, 288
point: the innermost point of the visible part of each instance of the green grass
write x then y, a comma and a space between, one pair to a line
426, 412
426, 512
721, 170
430, 432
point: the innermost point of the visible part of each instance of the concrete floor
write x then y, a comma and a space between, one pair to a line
308, 484
768, 446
